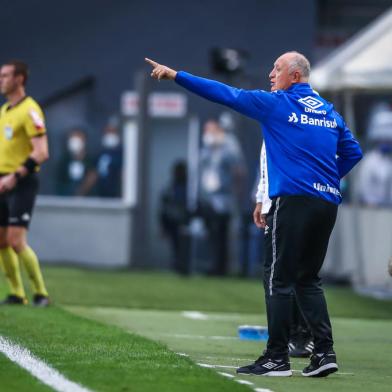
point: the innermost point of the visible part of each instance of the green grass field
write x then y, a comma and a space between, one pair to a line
123, 331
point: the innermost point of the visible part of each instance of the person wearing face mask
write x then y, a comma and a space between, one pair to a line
375, 175
221, 170
104, 179
74, 164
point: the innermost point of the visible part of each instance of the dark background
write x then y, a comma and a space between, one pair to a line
66, 42
84, 54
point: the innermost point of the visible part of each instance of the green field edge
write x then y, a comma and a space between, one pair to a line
355, 340
103, 357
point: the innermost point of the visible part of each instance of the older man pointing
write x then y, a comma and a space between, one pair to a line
309, 149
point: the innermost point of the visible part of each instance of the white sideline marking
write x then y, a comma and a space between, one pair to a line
207, 365
182, 354
245, 382
194, 315
228, 375
186, 336
230, 358
38, 368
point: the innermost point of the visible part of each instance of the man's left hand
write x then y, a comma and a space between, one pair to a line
259, 218
7, 183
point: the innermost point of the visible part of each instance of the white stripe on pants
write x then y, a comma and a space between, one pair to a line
273, 244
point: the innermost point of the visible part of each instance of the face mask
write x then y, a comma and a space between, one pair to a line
110, 140
75, 145
210, 140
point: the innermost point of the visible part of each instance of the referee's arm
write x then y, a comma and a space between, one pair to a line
38, 155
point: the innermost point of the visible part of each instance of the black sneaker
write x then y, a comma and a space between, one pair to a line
41, 300
13, 300
265, 366
321, 365
301, 348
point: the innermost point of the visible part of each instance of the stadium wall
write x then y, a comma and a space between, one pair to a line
90, 232
98, 233
65, 42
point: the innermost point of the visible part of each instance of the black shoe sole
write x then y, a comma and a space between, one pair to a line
283, 373
323, 371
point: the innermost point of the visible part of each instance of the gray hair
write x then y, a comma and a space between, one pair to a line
299, 62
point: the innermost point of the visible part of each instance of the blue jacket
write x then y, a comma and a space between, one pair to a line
309, 147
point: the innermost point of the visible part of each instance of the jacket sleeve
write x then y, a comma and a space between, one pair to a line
349, 152
252, 103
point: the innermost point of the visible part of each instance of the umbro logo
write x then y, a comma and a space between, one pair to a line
270, 365
311, 102
293, 118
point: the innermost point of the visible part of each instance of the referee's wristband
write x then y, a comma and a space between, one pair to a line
17, 176
30, 164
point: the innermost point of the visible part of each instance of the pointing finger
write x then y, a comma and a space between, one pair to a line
151, 62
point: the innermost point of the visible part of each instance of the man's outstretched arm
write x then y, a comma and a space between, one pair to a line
252, 103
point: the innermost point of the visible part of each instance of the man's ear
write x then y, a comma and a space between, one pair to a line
19, 79
296, 77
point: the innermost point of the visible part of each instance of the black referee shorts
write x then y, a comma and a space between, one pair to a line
16, 206
296, 243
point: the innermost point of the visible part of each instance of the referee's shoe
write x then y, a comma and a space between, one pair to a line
321, 365
264, 366
41, 301
13, 300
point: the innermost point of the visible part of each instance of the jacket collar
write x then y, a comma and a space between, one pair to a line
299, 87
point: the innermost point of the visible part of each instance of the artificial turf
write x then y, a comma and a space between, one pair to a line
100, 357
141, 290
212, 341
115, 351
